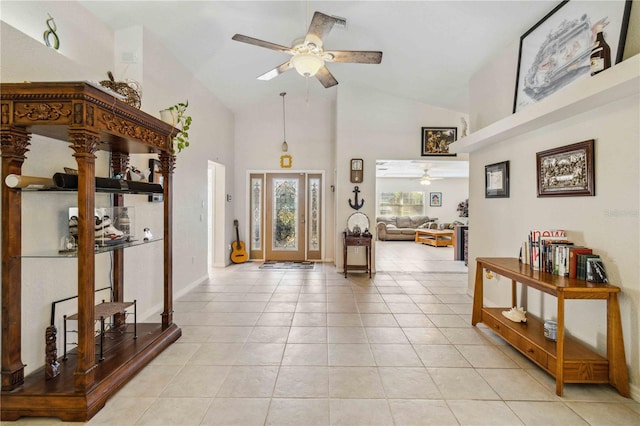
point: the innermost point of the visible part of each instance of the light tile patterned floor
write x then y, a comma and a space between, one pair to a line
313, 348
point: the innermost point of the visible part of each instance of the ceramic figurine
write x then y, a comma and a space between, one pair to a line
147, 234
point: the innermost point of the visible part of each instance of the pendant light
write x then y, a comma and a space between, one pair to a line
285, 146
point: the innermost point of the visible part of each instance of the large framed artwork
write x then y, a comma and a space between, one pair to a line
556, 51
566, 171
436, 141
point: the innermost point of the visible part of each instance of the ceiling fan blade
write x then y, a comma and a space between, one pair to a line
276, 71
262, 43
354, 56
325, 77
320, 27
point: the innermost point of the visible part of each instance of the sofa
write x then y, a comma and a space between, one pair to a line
402, 228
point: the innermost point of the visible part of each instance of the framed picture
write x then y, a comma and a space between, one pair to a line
566, 171
286, 161
435, 199
556, 51
496, 180
155, 177
436, 141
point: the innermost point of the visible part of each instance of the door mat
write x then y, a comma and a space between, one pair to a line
287, 265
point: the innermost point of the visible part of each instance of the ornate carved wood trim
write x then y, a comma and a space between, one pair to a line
32, 112
119, 162
83, 142
167, 163
128, 128
15, 143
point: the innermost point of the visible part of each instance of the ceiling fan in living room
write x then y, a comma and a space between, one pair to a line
426, 178
308, 56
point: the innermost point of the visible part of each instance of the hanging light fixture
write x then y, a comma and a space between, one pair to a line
285, 145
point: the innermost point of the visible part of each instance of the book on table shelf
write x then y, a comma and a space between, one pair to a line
534, 245
550, 251
581, 272
573, 259
595, 271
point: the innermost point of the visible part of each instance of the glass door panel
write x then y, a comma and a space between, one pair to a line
285, 217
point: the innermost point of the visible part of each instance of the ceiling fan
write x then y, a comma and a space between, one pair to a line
426, 178
308, 55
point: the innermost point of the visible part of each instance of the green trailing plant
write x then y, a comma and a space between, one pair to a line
182, 122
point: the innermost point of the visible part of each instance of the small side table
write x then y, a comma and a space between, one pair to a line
356, 241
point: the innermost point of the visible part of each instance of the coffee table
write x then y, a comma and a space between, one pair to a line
434, 237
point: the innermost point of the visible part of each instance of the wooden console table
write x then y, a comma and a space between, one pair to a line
356, 241
568, 360
434, 237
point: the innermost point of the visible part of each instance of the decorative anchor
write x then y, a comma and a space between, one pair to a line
355, 205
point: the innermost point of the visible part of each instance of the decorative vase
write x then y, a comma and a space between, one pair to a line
168, 116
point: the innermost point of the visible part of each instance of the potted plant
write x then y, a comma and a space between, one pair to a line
177, 116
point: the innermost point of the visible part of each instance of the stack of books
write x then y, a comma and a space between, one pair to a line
550, 251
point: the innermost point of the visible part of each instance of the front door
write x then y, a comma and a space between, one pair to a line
285, 216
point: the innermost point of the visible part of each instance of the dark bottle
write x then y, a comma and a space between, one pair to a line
600, 54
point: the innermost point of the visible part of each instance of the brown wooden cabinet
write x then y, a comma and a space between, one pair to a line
566, 359
90, 119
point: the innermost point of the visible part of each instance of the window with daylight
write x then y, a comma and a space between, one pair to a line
401, 203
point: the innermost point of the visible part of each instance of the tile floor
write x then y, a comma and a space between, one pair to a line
313, 348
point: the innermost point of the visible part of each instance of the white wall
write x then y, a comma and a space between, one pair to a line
373, 125
258, 140
164, 82
608, 222
454, 191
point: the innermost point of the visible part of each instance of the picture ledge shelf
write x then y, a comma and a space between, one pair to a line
618, 82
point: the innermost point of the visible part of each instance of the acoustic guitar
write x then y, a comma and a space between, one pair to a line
238, 253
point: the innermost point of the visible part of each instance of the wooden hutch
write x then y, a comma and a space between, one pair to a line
90, 119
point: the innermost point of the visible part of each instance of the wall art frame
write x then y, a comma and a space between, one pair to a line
567, 171
286, 161
555, 51
435, 199
496, 180
155, 176
436, 141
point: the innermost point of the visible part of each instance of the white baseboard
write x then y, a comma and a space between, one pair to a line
156, 309
635, 392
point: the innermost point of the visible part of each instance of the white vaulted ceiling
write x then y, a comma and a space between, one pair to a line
431, 48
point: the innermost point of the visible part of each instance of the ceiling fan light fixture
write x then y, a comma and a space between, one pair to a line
307, 64
425, 181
